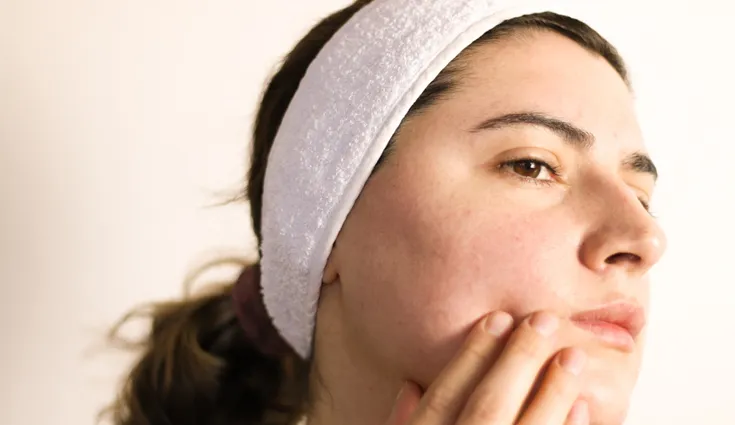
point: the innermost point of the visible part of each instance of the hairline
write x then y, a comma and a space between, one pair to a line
447, 82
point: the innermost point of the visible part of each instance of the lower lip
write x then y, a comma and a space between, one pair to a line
609, 333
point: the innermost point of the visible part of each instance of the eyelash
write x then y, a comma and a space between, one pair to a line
554, 171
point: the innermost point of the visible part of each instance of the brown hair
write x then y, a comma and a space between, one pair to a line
198, 366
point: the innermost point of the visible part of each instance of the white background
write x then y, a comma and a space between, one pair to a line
121, 122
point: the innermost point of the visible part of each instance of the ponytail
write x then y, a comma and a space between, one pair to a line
201, 364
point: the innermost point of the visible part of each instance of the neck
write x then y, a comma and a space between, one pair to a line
353, 399
347, 385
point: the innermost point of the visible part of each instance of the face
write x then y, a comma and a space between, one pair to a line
482, 206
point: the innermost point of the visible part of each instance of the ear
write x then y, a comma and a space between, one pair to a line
331, 271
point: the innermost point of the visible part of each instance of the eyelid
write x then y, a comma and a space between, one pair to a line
640, 191
643, 197
536, 154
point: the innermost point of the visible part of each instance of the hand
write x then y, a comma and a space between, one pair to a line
491, 381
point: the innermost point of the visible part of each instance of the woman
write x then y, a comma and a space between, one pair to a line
491, 270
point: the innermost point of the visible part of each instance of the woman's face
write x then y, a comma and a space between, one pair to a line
445, 233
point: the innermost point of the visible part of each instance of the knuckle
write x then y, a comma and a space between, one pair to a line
439, 402
482, 412
476, 350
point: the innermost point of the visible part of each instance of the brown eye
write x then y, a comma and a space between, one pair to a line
528, 168
532, 170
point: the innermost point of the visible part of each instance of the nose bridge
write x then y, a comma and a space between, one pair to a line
622, 233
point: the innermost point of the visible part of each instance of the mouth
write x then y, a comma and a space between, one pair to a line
616, 325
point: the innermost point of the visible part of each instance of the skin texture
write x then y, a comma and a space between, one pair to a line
444, 234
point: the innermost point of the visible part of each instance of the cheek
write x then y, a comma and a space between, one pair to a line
493, 261
417, 279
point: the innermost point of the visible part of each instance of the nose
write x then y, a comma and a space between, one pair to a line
623, 236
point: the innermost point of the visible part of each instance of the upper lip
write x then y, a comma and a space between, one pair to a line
627, 315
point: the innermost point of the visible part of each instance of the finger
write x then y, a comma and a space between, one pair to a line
406, 403
580, 414
558, 391
501, 394
444, 399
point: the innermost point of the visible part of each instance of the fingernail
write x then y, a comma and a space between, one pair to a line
580, 413
400, 392
573, 360
544, 323
498, 323
395, 410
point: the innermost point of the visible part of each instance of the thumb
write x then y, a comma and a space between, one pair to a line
406, 403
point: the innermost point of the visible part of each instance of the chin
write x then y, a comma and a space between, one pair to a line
608, 404
606, 415
608, 383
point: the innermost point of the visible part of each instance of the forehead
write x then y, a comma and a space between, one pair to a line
546, 72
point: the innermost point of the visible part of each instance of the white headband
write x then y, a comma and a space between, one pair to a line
352, 99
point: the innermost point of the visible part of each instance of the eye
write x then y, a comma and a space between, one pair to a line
531, 169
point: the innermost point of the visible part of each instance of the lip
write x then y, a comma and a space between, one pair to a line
617, 324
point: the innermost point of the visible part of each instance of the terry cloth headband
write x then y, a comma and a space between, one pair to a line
351, 100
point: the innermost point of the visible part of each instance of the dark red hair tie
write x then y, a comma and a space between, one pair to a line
253, 316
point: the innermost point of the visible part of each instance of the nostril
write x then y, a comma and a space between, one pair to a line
622, 257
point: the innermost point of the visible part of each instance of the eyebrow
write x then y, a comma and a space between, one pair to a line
578, 138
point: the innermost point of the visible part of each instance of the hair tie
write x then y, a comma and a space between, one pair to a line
252, 315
